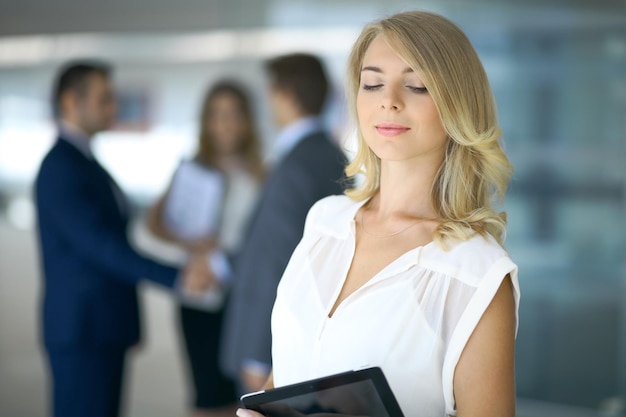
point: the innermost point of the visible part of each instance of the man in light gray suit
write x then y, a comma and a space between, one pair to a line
307, 166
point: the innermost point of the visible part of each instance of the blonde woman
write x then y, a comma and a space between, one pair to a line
407, 272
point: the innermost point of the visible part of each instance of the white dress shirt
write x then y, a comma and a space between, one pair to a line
240, 200
412, 319
76, 136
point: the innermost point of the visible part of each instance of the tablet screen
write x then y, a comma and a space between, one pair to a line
360, 393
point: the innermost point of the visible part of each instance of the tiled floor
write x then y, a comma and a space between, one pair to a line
155, 386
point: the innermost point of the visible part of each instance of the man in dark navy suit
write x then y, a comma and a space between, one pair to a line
90, 308
307, 166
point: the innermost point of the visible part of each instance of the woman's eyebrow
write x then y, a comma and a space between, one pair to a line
371, 68
380, 71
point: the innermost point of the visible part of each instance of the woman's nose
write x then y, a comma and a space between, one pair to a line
391, 100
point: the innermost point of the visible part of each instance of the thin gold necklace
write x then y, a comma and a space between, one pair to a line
391, 234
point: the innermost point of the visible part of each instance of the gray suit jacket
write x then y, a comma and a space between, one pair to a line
311, 171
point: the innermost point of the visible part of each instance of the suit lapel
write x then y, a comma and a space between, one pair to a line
117, 193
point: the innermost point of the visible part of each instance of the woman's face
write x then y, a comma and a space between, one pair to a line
397, 116
226, 123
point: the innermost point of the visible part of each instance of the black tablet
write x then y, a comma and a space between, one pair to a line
364, 392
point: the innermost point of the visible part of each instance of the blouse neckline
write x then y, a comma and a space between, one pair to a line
345, 225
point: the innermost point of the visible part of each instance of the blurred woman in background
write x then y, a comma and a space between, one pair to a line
228, 149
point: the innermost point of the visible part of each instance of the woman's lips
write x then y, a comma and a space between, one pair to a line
391, 129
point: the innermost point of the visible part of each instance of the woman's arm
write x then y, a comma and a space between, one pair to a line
484, 378
154, 220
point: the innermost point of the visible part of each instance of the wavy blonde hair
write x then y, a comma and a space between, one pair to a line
475, 171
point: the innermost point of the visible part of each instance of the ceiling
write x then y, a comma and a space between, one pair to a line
23, 17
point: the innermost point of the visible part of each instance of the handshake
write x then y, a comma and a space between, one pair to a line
203, 278
198, 276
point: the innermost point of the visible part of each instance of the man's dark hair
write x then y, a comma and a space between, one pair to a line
73, 76
304, 77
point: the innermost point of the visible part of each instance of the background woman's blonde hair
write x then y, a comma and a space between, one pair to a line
475, 171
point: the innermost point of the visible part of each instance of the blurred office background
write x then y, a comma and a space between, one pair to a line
558, 70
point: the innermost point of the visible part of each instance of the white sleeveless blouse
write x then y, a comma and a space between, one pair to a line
412, 319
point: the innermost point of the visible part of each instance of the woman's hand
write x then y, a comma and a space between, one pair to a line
282, 410
244, 412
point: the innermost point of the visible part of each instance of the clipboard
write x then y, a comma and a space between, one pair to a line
192, 208
363, 392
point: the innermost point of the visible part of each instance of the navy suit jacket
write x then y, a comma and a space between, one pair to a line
312, 170
90, 270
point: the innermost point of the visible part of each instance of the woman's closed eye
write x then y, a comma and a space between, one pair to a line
371, 87
418, 89
374, 87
